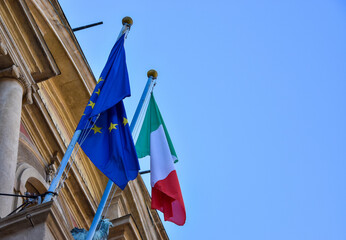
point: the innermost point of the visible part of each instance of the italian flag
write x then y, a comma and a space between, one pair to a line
154, 140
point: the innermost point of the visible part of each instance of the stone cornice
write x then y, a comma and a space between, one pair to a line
124, 228
22, 45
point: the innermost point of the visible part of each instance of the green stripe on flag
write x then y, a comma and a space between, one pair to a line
152, 122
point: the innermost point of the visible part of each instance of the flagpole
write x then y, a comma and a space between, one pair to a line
152, 75
127, 22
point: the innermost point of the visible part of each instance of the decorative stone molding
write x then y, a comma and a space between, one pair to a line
124, 228
117, 207
51, 169
25, 172
50, 172
3, 49
23, 38
24, 54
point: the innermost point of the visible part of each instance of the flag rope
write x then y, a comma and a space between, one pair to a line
84, 134
109, 203
110, 200
136, 129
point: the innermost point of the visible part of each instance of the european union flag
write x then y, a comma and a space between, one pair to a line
106, 138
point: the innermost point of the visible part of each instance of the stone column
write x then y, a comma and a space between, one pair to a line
11, 96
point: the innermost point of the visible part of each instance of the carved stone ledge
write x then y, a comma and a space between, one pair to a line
41, 222
124, 228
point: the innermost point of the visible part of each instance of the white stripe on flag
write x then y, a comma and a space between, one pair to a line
162, 162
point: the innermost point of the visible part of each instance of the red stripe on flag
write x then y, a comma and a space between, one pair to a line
166, 197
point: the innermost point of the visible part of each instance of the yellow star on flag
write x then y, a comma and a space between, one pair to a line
98, 92
96, 129
91, 104
100, 80
112, 126
125, 121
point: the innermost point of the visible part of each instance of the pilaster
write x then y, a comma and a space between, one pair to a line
11, 93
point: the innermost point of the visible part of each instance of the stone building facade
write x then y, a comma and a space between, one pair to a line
45, 83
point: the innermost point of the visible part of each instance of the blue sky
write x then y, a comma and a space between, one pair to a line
253, 95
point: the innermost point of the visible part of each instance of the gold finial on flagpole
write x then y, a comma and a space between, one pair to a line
127, 21
152, 73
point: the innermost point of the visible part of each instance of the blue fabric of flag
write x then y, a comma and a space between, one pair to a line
106, 137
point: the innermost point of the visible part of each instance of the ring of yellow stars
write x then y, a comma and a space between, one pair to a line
125, 121
91, 104
112, 126
98, 92
96, 129
100, 80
